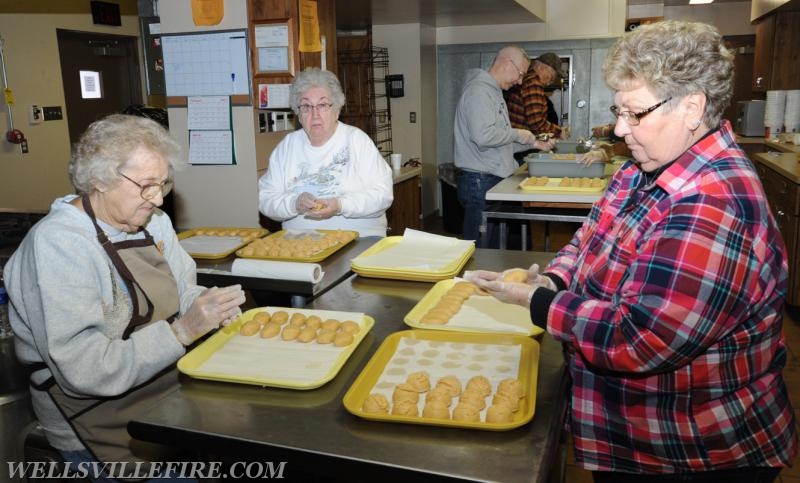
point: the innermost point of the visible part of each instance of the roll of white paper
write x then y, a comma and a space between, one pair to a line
302, 272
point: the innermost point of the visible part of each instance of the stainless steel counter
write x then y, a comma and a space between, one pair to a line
336, 267
313, 432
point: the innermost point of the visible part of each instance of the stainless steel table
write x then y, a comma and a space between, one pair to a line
313, 433
212, 272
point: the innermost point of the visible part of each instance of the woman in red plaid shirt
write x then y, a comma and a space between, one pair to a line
669, 299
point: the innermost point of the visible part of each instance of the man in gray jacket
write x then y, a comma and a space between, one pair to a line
484, 139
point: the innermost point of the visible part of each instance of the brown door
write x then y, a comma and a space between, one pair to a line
115, 60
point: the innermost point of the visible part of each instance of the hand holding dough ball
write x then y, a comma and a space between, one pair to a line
516, 275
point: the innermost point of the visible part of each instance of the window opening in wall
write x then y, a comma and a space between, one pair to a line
90, 84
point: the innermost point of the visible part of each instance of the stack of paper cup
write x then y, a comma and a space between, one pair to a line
773, 113
791, 114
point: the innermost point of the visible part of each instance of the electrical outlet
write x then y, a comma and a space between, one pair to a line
412, 117
24, 146
35, 114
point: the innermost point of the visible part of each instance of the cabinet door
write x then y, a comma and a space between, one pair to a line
785, 60
762, 62
406, 209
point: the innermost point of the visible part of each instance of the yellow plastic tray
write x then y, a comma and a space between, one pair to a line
552, 186
497, 316
316, 257
256, 232
285, 362
527, 372
448, 271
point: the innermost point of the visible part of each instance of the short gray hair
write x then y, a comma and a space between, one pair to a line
313, 77
674, 59
107, 144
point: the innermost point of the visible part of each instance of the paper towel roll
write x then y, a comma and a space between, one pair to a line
302, 272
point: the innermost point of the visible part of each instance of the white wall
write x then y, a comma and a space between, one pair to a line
403, 42
214, 195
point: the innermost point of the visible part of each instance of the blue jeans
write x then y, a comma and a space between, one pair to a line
84, 456
472, 188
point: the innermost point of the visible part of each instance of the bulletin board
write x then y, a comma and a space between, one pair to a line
206, 64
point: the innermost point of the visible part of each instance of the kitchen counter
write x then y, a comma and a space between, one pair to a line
217, 272
313, 432
788, 164
405, 173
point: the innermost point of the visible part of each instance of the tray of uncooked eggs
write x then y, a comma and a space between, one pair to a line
547, 184
217, 242
458, 305
467, 380
298, 245
279, 347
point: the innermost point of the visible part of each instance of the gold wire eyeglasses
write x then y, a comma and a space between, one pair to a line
150, 191
633, 118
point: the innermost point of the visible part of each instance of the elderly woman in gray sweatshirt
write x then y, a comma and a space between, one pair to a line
103, 297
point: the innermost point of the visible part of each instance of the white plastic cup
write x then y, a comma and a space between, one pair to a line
397, 161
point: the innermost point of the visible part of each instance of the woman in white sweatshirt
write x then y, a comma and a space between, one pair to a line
328, 175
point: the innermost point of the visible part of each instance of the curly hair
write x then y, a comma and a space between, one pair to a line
107, 144
674, 59
313, 77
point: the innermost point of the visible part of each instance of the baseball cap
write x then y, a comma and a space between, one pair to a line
553, 61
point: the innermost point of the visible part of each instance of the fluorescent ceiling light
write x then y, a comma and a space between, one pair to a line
699, 2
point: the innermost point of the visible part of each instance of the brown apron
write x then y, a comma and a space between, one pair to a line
101, 424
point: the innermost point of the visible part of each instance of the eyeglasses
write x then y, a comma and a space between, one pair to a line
521, 74
150, 191
321, 107
633, 118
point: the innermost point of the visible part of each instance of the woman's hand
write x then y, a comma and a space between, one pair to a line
305, 203
509, 292
593, 156
325, 208
536, 279
211, 308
